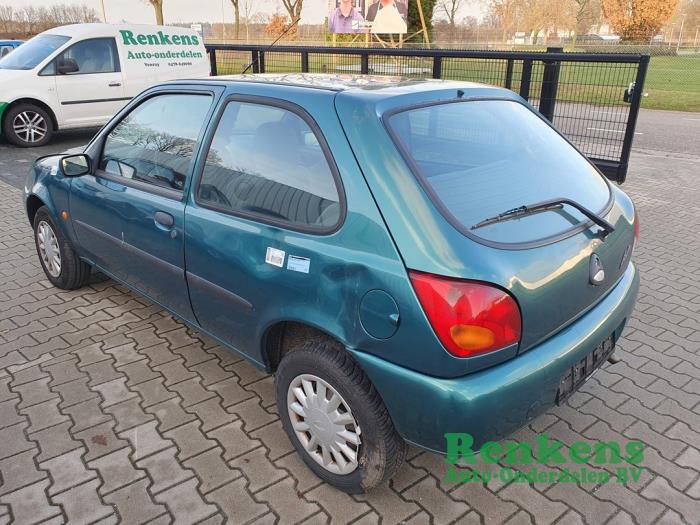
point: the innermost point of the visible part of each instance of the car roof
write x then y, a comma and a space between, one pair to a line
325, 81
10, 42
384, 91
348, 82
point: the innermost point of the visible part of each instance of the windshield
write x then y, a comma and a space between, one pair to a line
32, 53
480, 158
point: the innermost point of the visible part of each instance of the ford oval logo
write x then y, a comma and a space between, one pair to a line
595, 270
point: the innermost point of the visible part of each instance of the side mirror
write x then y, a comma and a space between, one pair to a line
75, 165
67, 65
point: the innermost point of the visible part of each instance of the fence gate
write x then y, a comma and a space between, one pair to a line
592, 98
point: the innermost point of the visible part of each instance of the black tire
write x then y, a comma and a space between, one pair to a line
11, 135
74, 273
382, 451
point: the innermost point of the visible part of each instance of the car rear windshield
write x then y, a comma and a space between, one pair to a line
480, 158
32, 53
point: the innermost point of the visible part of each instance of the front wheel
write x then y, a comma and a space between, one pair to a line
27, 126
61, 264
335, 418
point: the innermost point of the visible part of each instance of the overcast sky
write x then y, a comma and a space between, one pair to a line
139, 11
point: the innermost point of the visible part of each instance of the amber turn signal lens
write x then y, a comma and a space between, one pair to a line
471, 337
64, 215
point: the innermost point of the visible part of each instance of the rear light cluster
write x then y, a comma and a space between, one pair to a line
469, 318
636, 226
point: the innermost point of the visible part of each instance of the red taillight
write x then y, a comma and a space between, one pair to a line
469, 318
636, 226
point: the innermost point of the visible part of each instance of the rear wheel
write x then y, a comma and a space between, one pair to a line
27, 125
335, 418
56, 254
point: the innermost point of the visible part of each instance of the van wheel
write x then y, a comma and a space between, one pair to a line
27, 126
335, 418
58, 258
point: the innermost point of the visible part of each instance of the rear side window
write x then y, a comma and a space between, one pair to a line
481, 158
267, 163
154, 143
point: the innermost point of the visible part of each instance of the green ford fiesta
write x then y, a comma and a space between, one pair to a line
409, 258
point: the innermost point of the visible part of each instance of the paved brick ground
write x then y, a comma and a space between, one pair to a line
110, 410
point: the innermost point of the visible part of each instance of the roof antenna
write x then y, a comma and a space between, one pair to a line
287, 30
460, 93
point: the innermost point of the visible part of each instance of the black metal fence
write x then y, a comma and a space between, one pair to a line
593, 98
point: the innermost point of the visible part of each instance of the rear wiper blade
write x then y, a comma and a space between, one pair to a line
553, 204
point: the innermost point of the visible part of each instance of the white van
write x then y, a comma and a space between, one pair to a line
80, 75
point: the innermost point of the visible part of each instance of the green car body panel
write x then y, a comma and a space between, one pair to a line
3, 107
357, 288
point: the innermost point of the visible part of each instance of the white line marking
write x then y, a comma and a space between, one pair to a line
615, 130
609, 130
691, 118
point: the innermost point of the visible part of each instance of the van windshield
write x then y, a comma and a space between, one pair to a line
32, 53
478, 158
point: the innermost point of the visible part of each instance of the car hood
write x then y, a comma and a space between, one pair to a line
10, 75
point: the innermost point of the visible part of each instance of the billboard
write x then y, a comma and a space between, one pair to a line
367, 16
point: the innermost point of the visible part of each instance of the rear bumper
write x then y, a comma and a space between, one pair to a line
492, 403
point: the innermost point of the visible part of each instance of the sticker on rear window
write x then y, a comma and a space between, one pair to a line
298, 264
274, 257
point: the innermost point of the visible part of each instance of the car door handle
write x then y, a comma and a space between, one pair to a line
114, 84
164, 219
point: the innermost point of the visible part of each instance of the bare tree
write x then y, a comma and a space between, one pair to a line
75, 14
247, 11
586, 14
236, 17
29, 16
31, 20
7, 18
506, 14
158, 8
543, 15
293, 7
451, 9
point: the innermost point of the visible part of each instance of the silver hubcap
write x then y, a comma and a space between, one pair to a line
48, 249
324, 424
30, 126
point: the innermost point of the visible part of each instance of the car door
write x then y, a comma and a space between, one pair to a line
129, 214
89, 82
267, 185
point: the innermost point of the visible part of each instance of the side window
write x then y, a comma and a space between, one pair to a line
266, 161
155, 142
4, 50
97, 55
